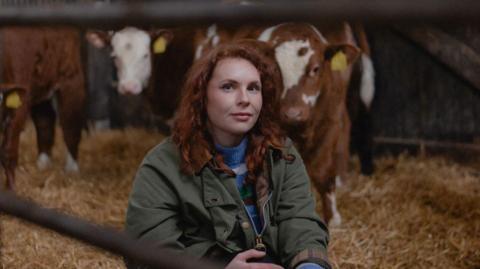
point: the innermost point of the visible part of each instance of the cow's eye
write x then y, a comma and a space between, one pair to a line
314, 70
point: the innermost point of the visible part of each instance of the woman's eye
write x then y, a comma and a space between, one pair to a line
227, 87
254, 88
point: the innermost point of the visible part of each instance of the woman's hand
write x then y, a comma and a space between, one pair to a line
240, 261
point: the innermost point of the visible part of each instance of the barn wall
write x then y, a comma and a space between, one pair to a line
418, 97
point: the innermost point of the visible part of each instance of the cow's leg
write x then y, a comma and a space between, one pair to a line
342, 151
326, 188
71, 108
43, 116
14, 121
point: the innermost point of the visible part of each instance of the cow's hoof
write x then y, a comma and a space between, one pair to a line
71, 166
43, 161
338, 181
336, 221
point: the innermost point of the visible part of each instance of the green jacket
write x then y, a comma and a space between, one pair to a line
203, 215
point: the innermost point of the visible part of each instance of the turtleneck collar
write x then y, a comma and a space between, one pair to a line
233, 156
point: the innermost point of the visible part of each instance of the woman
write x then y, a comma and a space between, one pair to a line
228, 185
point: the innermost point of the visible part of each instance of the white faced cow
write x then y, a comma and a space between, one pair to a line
152, 63
132, 53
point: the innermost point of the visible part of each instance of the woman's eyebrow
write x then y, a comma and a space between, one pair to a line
229, 81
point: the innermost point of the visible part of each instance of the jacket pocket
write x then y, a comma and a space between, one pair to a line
223, 221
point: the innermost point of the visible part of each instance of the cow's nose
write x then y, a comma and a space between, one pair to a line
130, 87
293, 113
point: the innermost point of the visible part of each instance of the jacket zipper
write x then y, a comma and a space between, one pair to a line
259, 245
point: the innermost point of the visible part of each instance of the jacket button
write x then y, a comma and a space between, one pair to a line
245, 225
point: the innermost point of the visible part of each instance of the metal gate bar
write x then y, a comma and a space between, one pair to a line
169, 13
105, 238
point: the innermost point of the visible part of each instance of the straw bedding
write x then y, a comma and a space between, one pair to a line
412, 213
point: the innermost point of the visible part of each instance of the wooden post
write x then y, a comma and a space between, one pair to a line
460, 58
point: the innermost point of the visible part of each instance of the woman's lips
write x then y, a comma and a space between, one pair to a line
241, 116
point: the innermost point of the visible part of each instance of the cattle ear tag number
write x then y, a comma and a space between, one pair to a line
339, 61
160, 45
13, 100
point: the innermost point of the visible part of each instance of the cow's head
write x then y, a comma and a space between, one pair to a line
132, 50
308, 63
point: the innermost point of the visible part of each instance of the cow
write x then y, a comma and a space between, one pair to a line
42, 75
137, 54
316, 65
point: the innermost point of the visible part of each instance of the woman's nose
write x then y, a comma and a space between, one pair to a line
243, 97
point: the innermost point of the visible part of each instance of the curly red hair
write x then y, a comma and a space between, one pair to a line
190, 130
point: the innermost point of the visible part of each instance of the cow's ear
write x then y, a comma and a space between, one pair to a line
341, 55
160, 39
99, 39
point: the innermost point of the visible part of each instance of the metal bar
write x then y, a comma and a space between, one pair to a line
168, 13
426, 143
105, 238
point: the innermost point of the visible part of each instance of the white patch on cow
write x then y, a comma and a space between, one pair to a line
266, 35
310, 100
367, 88
43, 161
291, 64
215, 40
336, 219
131, 49
198, 52
338, 181
212, 30
242, 169
70, 164
322, 38
212, 36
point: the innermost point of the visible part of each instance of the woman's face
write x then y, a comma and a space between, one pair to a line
234, 100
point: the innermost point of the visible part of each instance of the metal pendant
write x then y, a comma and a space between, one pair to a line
259, 245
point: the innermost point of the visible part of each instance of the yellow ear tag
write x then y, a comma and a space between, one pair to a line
339, 61
160, 45
13, 100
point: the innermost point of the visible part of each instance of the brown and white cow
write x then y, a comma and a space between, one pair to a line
41, 66
316, 65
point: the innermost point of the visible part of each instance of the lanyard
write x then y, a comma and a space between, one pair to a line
259, 245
